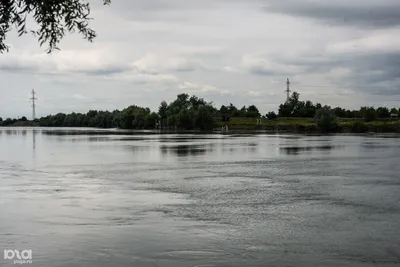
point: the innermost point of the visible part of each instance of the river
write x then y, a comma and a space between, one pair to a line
113, 198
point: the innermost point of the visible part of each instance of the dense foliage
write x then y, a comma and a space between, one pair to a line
187, 113
132, 117
325, 119
183, 113
194, 113
293, 107
226, 112
54, 18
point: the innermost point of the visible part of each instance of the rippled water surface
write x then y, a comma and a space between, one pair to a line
109, 198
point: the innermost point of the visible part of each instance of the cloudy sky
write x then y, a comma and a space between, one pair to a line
342, 52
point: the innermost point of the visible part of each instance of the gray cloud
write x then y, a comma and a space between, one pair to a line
158, 10
374, 73
377, 74
375, 14
107, 70
222, 50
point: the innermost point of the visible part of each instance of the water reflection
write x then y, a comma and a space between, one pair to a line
83, 131
185, 138
377, 145
14, 131
34, 133
296, 150
11, 132
240, 148
168, 200
186, 150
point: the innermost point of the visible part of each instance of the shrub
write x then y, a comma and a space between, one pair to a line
325, 119
271, 115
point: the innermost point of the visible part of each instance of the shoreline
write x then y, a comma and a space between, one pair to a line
288, 125
232, 131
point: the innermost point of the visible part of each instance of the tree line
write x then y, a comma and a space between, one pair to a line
293, 107
191, 112
183, 113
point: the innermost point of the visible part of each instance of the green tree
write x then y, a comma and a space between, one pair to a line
240, 113
187, 113
368, 113
224, 112
271, 115
117, 120
126, 120
392, 111
139, 116
79, 122
150, 120
310, 109
353, 114
285, 110
172, 120
70, 120
58, 120
382, 112
340, 112
184, 120
163, 109
55, 18
252, 111
163, 113
204, 117
325, 119
181, 103
299, 109
291, 107
232, 109
100, 120
7, 122
195, 102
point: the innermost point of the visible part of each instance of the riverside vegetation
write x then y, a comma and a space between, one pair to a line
194, 113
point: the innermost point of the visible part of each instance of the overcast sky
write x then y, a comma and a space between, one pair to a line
341, 53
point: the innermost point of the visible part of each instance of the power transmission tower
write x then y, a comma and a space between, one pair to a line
288, 88
33, 98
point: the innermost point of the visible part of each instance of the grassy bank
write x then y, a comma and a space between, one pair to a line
307, 125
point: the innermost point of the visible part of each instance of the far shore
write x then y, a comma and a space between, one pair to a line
251, 125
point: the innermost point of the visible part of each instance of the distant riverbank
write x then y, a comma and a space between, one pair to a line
286, 125
193, 114
306, 125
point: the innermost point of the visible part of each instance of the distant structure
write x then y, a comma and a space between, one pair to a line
33, 98
288, 89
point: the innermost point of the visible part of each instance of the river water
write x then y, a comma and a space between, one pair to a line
111, 198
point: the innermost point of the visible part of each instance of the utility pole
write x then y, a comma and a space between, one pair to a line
33, 98
288, 89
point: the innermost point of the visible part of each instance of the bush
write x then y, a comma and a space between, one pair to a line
325, 119
368, 113
271, 115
